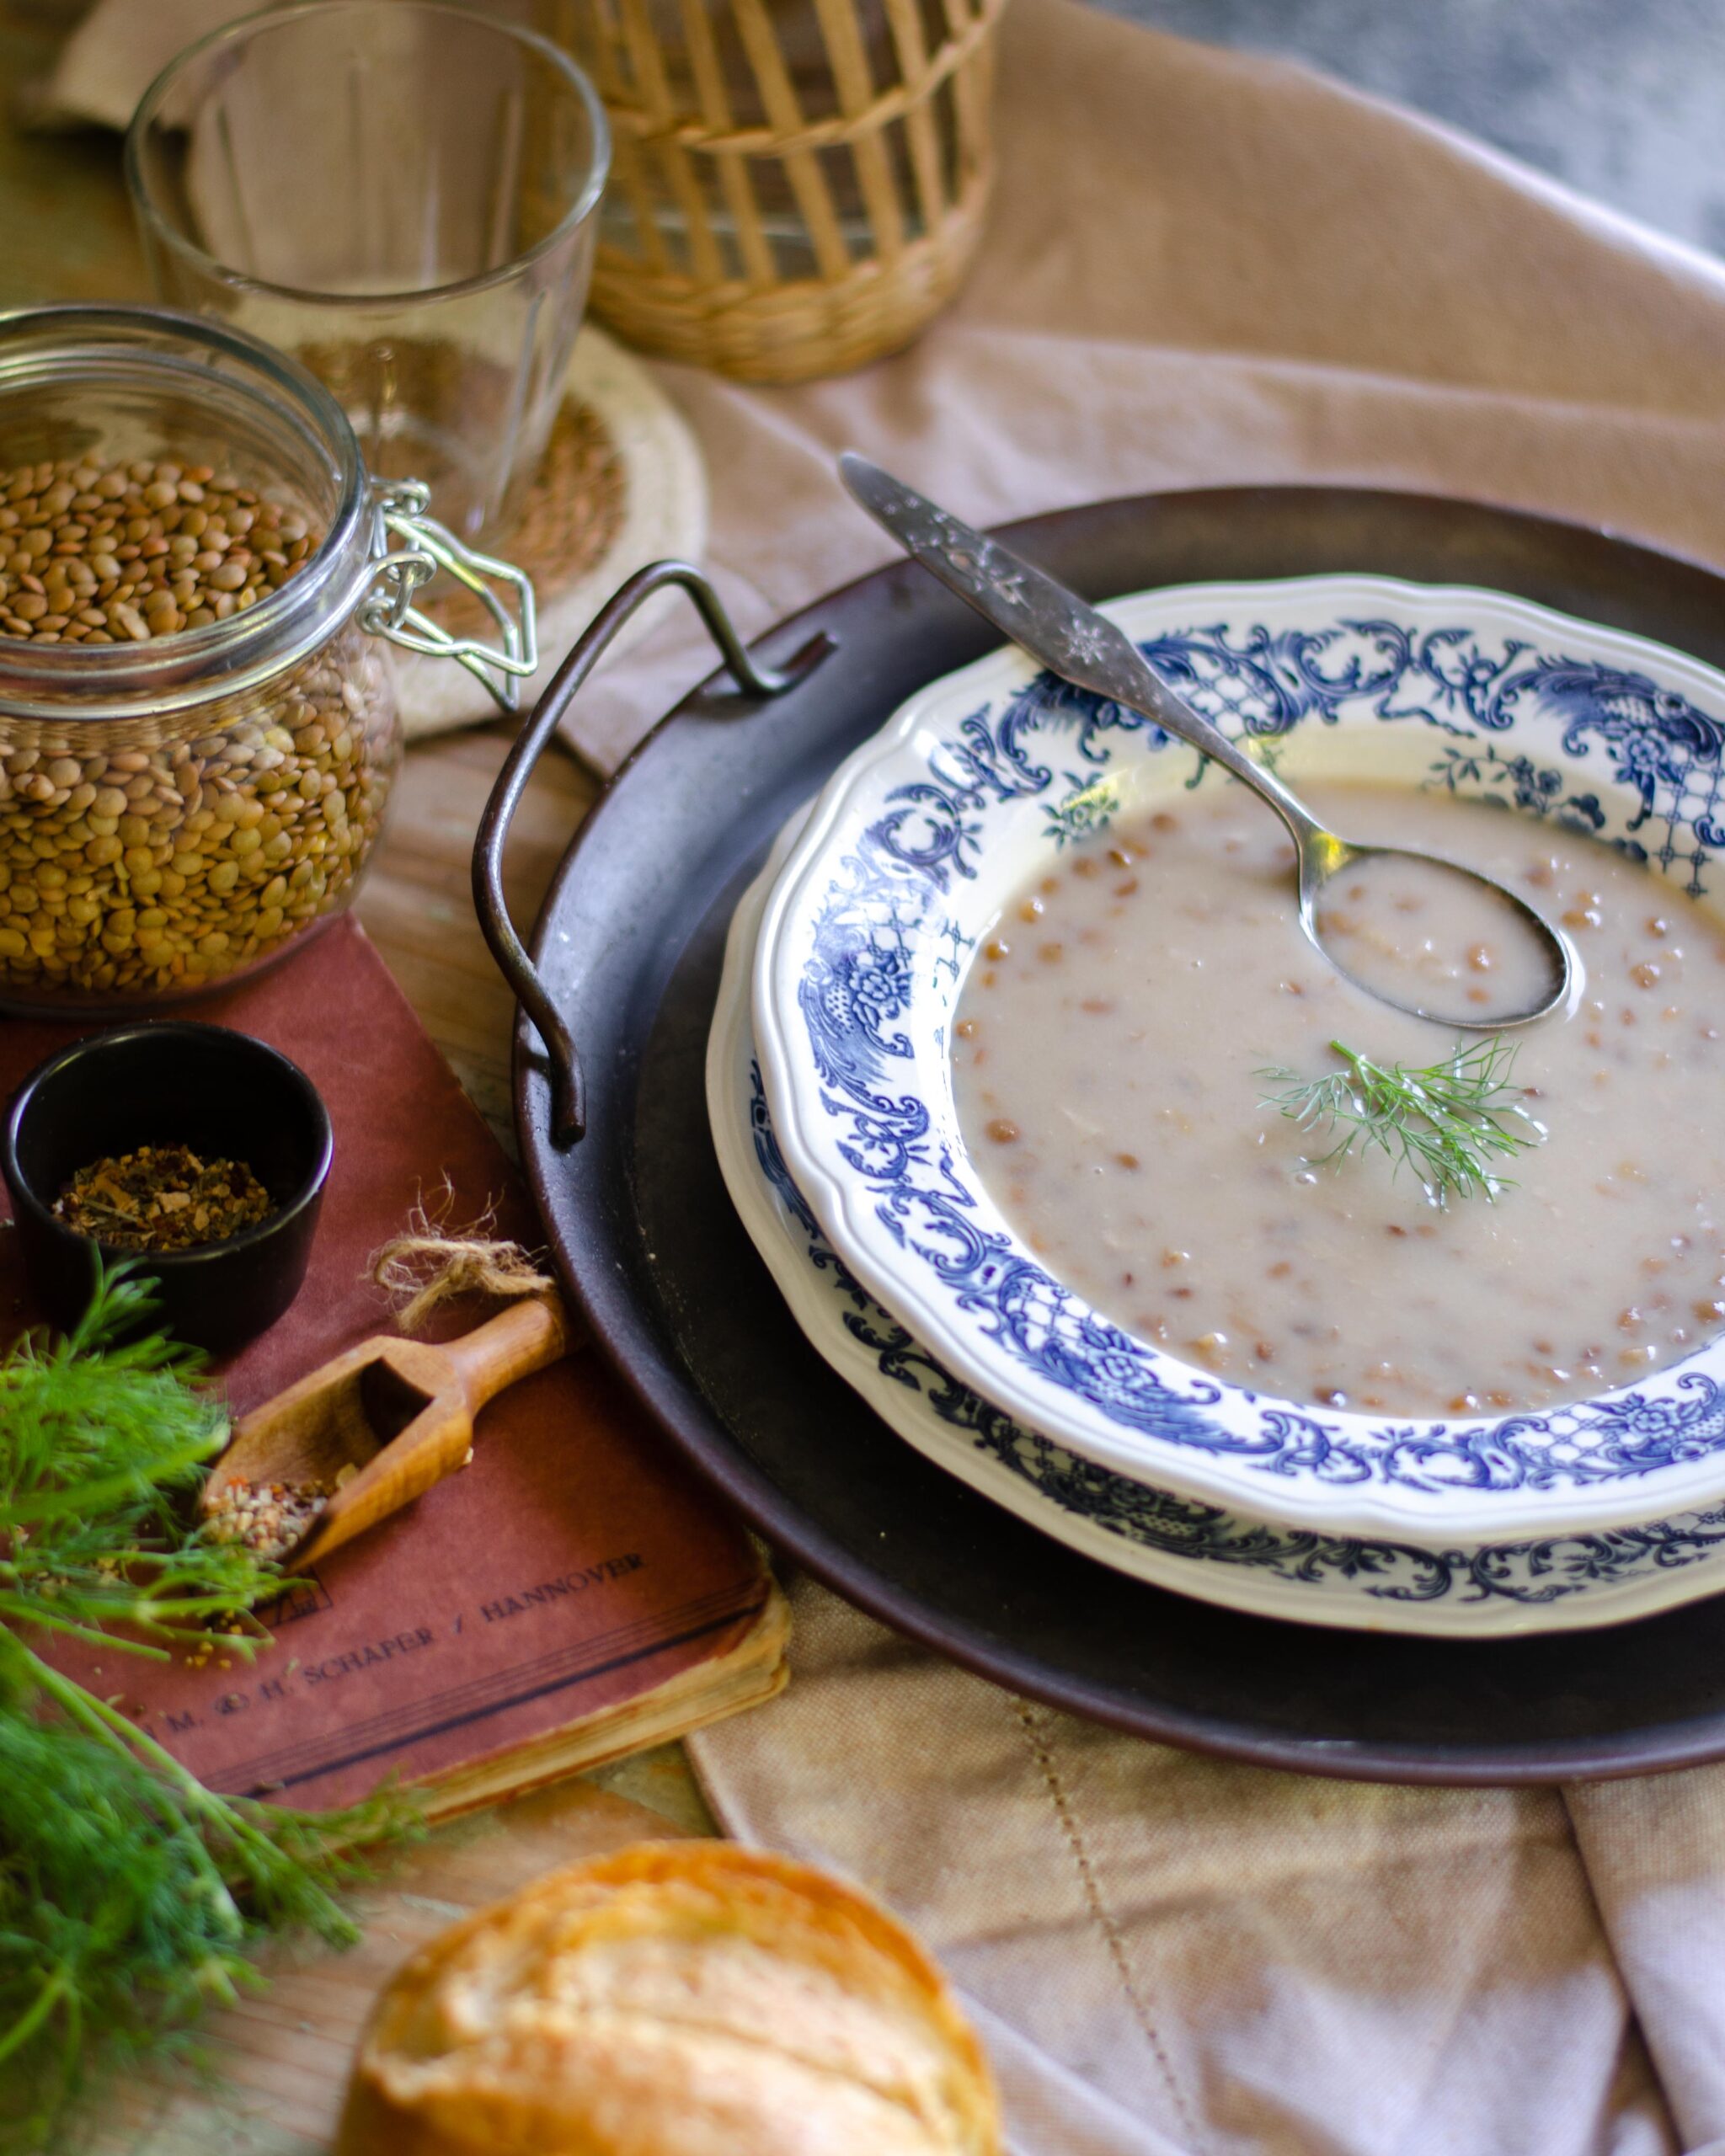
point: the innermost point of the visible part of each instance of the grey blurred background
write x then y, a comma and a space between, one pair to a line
1622, 99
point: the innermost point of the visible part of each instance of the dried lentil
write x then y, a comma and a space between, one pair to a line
138, 550
134, 862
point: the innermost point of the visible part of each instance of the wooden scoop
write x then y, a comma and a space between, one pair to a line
377, 1427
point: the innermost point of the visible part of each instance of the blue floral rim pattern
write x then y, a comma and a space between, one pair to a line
1532, 1574
1629, 753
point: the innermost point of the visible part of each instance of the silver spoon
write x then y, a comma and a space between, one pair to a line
1085, 648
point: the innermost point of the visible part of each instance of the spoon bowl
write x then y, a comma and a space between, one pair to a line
1470, 953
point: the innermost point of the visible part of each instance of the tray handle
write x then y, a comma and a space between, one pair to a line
569, 1116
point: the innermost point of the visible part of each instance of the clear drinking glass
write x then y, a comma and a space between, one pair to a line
403, 196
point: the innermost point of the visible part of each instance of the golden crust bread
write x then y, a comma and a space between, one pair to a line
679, 1999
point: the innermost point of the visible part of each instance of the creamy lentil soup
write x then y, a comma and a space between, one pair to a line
1108, 1055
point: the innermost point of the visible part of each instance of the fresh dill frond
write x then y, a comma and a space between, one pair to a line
1450, 1122
130, 1893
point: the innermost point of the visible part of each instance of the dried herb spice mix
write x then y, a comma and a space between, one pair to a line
162, 1198
272, 1518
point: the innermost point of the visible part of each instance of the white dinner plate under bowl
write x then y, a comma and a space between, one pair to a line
923, 833
1551, 1584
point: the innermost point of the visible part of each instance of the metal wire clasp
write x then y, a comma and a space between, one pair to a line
400, 570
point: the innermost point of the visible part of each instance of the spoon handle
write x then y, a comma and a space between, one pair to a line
1055, 625
525, 1338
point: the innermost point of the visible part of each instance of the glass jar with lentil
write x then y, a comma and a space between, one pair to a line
198, 725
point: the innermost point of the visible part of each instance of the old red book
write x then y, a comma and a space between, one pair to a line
571, 1596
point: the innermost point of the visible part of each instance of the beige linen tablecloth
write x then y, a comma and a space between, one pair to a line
1206, 268
1203, 268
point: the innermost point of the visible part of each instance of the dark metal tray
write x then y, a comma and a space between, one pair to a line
628, 947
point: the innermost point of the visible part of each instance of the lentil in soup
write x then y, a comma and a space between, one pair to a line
1109, 1052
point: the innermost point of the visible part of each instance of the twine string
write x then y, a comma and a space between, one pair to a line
431, 1263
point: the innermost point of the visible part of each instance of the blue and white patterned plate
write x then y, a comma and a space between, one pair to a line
1193, 1548
923, 833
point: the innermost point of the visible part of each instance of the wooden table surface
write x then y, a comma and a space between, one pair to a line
68, 235
282, 2056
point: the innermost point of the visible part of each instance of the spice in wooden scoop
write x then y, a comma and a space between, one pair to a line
162, 1198
270, 1519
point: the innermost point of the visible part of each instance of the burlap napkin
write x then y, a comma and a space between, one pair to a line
1204, 267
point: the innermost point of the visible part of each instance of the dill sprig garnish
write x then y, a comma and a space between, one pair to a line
130, 1893
1448, 1123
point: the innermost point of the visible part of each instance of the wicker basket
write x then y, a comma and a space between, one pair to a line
797, 185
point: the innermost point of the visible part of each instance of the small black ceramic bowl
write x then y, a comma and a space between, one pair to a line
171, 1082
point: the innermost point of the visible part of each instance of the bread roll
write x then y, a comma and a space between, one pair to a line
679, 1999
